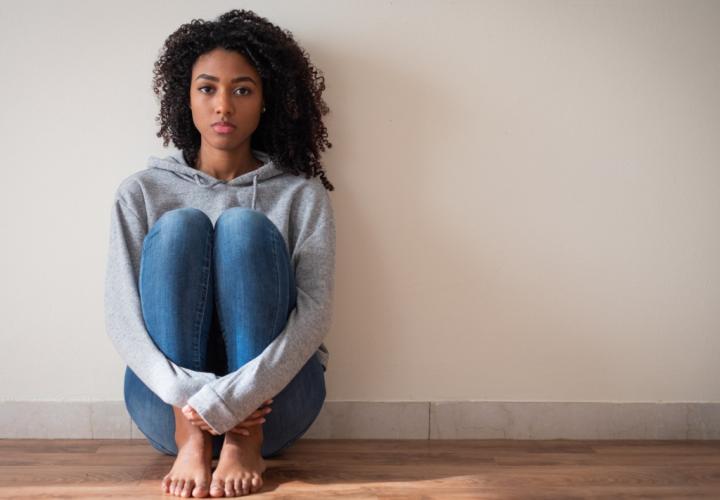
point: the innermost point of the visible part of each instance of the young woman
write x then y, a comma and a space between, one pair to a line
221, 263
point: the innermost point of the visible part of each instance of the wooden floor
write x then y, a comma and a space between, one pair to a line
557, 469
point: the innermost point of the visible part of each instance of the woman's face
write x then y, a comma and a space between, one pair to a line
225, 87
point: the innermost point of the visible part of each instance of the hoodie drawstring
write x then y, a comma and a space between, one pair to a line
197, 180
254, 190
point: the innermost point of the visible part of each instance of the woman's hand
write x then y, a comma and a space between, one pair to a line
255, 418
195, 419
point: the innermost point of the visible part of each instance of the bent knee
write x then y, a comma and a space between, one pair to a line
183, 220
243, 215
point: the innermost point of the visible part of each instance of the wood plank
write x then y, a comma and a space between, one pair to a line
550, 469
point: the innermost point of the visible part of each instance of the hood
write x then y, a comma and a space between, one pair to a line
176, 164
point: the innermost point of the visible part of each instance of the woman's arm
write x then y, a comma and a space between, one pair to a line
124, 321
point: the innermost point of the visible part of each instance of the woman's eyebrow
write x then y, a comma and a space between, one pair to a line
216, 79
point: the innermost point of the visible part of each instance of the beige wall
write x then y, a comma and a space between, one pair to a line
527, 193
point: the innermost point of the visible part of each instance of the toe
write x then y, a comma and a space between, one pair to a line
201, 489
165, 484
246, 485
240, 486
179, 487
229, 488
173, 485
187, 489
256, 483
217, 488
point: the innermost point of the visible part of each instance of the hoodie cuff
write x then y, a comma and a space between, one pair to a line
213, 410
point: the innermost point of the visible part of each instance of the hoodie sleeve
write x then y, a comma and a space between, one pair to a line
232, 398
124, 321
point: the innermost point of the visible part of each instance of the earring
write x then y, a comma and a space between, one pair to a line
263, 110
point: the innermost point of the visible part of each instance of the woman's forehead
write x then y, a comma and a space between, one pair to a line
224, 64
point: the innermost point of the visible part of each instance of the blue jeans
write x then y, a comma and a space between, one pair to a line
212, 300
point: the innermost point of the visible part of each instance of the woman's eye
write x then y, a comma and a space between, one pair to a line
248, 91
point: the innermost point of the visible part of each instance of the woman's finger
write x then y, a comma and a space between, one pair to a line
247, 423
251, 422
260, 413
255, 418
241, 430
195, 419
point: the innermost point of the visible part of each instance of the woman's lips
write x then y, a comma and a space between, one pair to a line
223, 128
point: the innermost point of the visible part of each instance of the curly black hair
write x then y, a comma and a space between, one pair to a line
291, 130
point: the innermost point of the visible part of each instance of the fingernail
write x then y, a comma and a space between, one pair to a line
262, 420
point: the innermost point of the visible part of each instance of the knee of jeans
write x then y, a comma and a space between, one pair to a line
247, 227
249, 218
183, 219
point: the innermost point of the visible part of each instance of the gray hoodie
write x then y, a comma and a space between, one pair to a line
301, 210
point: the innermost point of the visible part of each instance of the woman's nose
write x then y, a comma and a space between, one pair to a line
224, 105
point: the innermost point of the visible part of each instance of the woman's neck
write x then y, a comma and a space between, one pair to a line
226, 165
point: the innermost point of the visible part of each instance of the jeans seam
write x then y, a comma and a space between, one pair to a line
202, 306
216, 285
277, 274
143, 251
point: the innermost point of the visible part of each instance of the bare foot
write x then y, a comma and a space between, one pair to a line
240, 467
190, 474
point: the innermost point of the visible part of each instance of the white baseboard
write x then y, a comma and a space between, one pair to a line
403, 420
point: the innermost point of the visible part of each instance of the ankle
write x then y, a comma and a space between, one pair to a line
186, 433
254, 440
